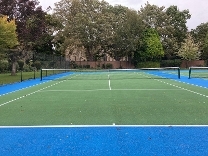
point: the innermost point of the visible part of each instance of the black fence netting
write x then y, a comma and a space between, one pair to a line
28, 66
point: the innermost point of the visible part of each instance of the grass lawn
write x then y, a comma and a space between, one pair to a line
7, 78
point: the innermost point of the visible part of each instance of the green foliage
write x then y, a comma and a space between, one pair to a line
21, 64
148, 64
170, 24
8, 36
149, 48
28, 68
109, 66
200, 36
178, 20
52, 64
88, 25
86, 66
37, 65
171, 63
35, 28
4, 65
189, 49
205, 48
127, 32
98, 27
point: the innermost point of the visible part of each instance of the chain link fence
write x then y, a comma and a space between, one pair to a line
29, 66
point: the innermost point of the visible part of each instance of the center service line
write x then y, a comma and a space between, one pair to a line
109, 82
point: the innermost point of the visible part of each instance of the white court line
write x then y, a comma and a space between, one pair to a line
183, 88
109, 83
87, 90
103, 126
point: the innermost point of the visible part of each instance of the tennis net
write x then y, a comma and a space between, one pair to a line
114, 74
198, 72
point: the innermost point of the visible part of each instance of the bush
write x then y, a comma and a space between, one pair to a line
37, 65
79, 66
148, 64
171, 63
86, 66
21, 64
75, 66
52, 64
109, 66
4, 65
206, 63
28, 68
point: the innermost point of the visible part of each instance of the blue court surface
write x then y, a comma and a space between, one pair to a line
104, 140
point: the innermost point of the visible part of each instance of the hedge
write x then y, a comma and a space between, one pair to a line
148, 64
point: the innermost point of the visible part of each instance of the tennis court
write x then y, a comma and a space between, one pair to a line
123, 112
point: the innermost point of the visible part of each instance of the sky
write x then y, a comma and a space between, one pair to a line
197, 8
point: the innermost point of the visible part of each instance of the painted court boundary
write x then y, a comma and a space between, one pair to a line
100, 126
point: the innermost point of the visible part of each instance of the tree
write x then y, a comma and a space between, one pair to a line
200, 35
155, 17
149, 48
33, 27
204, 53
170, 24
178, 20
8, 36
127, 32
98, 27
86, 24
189, 49
20, 11
200, 32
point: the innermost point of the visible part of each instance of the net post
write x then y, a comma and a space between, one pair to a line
189, 72
41, 74
179, 73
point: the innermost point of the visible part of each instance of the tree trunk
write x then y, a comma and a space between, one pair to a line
89, 54
13, 57
13, 72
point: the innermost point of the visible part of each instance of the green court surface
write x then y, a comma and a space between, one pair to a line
103, 98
